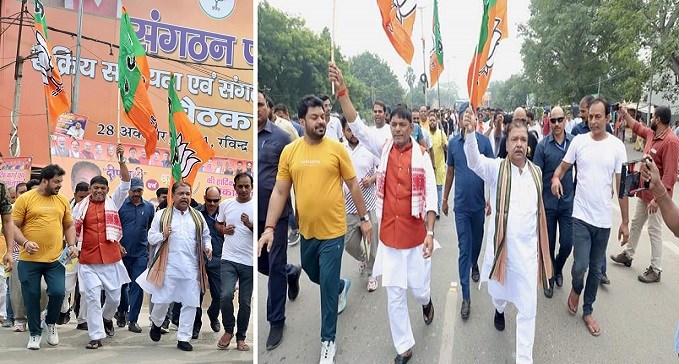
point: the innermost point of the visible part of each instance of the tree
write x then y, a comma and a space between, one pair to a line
381, 81
448, 93
510, 93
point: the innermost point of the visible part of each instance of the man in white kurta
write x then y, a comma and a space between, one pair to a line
184, 275
99, 231
519, 284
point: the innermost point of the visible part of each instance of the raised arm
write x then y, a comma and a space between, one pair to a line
483, 166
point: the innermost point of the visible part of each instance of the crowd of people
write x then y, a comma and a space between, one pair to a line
96, 256
380, 190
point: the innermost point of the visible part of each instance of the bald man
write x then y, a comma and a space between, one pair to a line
519, 115
548, 155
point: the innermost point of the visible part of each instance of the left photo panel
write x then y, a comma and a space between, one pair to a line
126, 179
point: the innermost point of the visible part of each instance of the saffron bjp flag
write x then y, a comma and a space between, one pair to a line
398, 18
58, 101
133, 82
187, 145
436, 59
493, 29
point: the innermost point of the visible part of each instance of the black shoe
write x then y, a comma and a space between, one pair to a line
428, 312
499, 321
108, 327
121, 318
293, 283
215, 325
549, 292
275, 338
134, 327
154, 333
402, 359
195, 334
475, 273
62, 318
184, 346
464, 311
81, 326
165, 327
559, 280
604, 279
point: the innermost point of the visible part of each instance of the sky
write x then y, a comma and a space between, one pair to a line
358, 28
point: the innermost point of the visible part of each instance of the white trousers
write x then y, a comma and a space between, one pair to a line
399, 319
525, 333
96, 314
186, 317
3, 296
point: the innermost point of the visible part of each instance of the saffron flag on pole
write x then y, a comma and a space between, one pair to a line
398, 18
436, 59
189, 149
58, 101
133, 82
493, 29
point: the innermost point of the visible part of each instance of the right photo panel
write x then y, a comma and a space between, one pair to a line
466, 181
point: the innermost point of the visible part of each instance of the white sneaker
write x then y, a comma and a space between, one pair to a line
327, 352
52, 335
342, 302
33, 342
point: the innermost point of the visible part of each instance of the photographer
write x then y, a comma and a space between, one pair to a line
668, 209
662, 146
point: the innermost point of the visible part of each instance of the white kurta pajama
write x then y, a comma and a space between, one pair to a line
181, 283
521, 279
400, 268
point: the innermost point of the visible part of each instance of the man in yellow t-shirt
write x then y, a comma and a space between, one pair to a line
316, 167
43, 218
440, 148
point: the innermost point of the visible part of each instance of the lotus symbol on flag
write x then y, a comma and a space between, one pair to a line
184, 156
404, 8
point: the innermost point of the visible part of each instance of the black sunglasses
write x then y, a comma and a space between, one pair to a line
556, 120
216, 200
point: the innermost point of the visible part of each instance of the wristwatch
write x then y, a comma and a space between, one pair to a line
430, 233
365, 217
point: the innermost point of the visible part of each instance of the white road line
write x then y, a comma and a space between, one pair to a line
448, 337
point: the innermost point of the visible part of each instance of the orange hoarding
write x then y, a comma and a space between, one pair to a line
207, 44
15, 170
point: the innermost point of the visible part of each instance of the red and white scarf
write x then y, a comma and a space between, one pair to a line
114, 230
418, 175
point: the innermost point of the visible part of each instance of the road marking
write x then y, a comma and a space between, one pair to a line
449, 317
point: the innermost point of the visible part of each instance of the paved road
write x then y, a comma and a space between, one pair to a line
638, 320
124, 347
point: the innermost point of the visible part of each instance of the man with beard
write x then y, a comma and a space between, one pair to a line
599, 157
99, 231
317, 166
110, 153
517, 248
135, 215
663, 147
177, 273
406, 204
43, 218
548, 155
273, 261
61, 149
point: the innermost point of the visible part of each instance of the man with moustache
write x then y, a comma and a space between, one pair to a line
519, 115
471, 209
406, 210
136, 215
61, 149
599, 157
273, 261
663, 147
75, 150
517, 248
317, 166
99, 231
381, 129
43, 218
548, 155
334, 127
177, 272
99, 152
87, 151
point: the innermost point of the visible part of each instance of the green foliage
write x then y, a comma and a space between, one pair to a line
510, 93
380, 80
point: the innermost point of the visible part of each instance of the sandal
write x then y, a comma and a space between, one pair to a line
428, 312
225, 340
591, 326
372, 285
572, 310
242, 346
93, 344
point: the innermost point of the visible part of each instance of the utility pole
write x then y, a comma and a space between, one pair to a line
424, 59
14, 146
598, 89
76, 77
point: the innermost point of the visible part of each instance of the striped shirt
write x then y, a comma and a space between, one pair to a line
365, 164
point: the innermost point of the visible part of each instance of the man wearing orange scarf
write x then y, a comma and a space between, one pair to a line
517, 248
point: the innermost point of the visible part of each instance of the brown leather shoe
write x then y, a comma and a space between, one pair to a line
650, 276
623, 259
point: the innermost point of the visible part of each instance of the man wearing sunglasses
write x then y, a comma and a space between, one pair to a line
548, 155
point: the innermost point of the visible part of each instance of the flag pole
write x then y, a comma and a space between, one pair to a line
474, 73
424, 59
332, 42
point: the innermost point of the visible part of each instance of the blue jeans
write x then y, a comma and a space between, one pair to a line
469, 226
322, 262
562, 217
55, 278
230, 273
8, 303
589, 250
439, 191
131, 296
